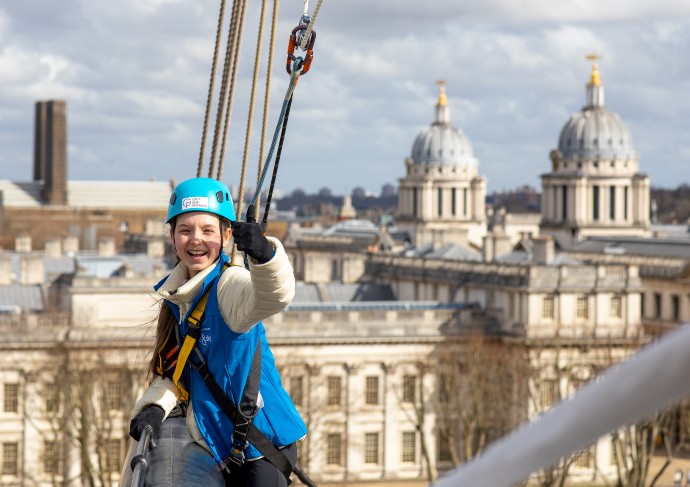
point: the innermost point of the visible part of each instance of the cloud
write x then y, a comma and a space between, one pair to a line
135, 76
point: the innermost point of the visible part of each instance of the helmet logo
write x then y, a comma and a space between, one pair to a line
195, 202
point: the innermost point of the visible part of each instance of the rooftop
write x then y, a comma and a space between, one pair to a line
91, 194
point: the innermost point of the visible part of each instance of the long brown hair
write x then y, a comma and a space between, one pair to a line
166, 321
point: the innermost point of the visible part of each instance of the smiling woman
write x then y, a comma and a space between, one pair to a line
229, 389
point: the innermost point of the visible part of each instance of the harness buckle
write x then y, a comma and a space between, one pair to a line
248, 416
237, 456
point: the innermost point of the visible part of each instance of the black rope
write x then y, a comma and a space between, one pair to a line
274, 175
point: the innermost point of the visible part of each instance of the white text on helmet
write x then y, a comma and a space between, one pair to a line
195, 202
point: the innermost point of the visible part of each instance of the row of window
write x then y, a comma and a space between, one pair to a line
657, 311
50, 457
612, 203
372, 453
597, 192
581, 308
112, 397
440, 194
334, 390
615, 307
372, 449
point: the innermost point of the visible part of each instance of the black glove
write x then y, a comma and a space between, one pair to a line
250, 239
152, 415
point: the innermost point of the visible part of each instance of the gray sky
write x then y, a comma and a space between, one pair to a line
135, 75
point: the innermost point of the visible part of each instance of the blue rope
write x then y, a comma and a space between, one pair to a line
288, 96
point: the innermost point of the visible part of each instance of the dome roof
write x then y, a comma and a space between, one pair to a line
595, 132
441, 143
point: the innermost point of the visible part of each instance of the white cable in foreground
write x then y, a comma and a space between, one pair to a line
653, 379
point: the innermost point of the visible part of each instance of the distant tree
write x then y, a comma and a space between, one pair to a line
359, 192
673, 205
476, 390
524, 199
558, 371
479, 392
662, 435
550, 380
325, 192
388, 190
298, 193
82, 401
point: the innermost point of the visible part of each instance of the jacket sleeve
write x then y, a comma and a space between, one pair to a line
162, 392
247, 297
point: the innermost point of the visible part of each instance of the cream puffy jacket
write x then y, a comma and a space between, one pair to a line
245, 297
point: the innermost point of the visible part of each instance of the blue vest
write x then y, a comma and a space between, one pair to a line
229, 358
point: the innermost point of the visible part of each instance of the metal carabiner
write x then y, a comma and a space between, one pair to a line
237, 455
297, 62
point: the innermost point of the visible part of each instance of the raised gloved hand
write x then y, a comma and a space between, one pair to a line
152, 415
250, 239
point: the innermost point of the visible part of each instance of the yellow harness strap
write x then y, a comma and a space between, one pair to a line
191, 338
192, 335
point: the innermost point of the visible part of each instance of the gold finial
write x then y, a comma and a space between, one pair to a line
594, 80
442, 100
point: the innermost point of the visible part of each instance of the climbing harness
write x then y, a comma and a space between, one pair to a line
241, 414
171, 357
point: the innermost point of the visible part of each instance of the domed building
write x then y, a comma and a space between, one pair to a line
442, 198
594, 187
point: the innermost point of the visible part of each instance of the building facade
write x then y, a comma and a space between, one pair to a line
442, 196
407, 349
360, 372
594, 187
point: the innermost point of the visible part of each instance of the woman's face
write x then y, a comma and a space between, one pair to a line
197, 240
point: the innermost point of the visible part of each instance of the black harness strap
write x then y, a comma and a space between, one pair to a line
242, 416
248, 407
173, 358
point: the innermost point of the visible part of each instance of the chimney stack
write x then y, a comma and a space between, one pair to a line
22, 244
32, 270
53, 248
502, 246
544, 249
5, 269
496, 245
155, 248
70, 244
50, 150
106, 247
488, 248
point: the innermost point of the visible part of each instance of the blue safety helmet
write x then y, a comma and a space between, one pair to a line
201, 194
